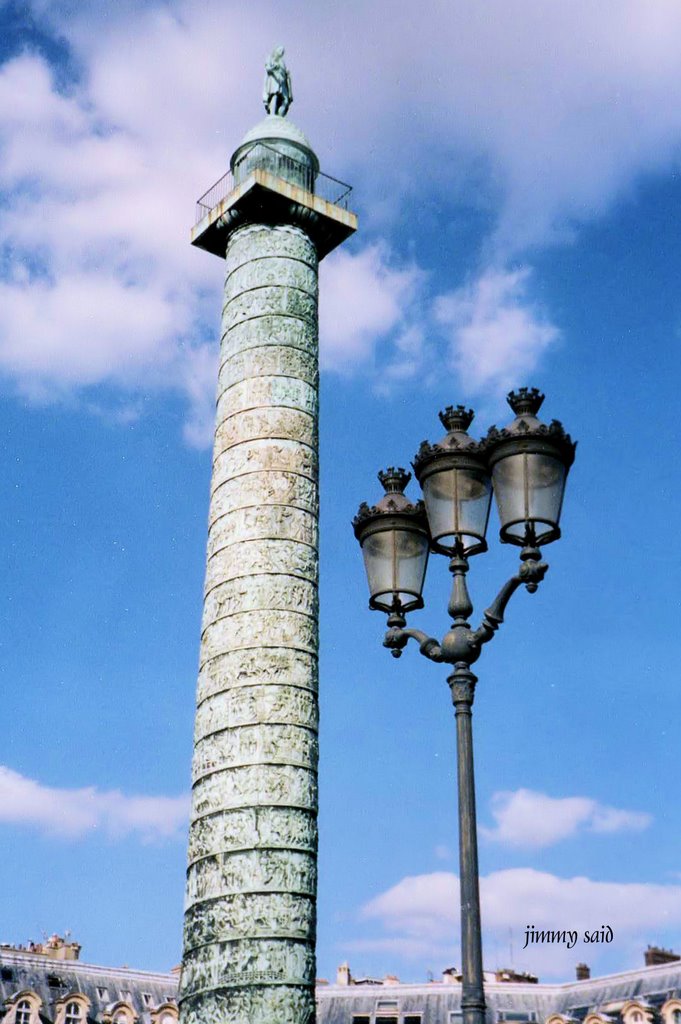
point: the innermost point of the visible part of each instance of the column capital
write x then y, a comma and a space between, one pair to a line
265, 198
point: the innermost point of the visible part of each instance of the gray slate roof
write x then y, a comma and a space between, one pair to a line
53, 979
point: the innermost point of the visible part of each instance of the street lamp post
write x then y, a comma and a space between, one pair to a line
525, 465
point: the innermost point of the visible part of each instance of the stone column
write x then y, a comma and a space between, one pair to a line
250, 910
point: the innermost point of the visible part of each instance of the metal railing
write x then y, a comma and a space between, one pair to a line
266, 158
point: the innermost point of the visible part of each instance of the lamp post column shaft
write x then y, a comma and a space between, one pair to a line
462, 683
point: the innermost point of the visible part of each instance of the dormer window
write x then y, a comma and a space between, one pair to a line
119, 1013
670, 1011
23, 1014
24, 1008
72, 1008
635, 1011
73, 1014
165, 1013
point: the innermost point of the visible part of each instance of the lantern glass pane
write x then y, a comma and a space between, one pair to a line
529, 488
457, 504
395, 562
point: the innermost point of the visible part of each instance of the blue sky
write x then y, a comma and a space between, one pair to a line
516, 175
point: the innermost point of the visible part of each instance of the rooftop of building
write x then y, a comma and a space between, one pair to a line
50, 974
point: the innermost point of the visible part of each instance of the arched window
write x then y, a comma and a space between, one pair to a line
73, 1014
170, 1018
676, 1016
637, 1017
23, 1014
121, 1018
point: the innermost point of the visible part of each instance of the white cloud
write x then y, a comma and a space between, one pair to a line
73, 813
98, 287
82, 330
363, 297
408, 949
525, 818
419, 905
497, 335
102, 285
547, 115
199, 377
422, 910
493, 333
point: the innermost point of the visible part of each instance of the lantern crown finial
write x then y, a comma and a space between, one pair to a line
394, 479
456, 417
525, 401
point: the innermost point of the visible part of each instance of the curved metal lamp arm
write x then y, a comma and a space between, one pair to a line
396, 639
530, 573
461, 645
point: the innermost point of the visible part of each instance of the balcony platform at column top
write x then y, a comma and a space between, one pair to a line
266, 198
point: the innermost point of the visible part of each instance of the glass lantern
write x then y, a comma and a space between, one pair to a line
457, 489
529, 461
395, 543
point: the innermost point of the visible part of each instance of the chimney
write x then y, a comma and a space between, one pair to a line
56, 948
507, 974
583, 972
657, 955
343, 976
451, 975
391, 979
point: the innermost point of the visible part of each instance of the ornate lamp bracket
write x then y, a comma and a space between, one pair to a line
461, 645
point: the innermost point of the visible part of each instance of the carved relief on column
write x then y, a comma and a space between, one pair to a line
250, 917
